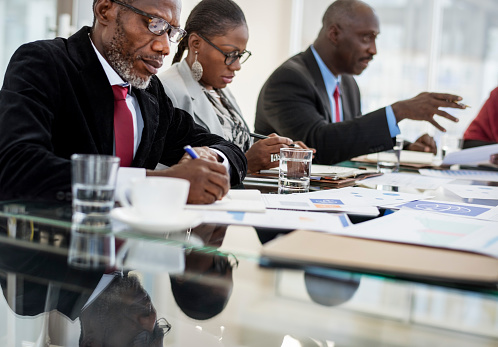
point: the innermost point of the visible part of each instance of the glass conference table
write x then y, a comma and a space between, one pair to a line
106, 284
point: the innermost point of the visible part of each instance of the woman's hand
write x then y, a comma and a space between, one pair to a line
259, 156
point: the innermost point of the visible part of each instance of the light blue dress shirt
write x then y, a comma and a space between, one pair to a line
330, 83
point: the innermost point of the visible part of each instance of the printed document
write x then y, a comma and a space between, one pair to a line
246, 200
281, 219
471, 156
431, 229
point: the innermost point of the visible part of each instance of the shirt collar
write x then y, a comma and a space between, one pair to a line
112, 75
328, 77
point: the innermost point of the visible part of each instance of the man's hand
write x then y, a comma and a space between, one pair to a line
424, 143
204, 153
209, 181
425, 105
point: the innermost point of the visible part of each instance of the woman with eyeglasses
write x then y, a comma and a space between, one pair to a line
216, 48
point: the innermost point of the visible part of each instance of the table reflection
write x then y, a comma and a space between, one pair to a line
122, 314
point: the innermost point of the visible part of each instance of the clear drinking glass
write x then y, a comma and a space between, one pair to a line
294, 170
93, 183
388, 161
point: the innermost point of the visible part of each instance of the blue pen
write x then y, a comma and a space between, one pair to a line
191, 152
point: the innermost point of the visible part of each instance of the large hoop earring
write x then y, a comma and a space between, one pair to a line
196, 69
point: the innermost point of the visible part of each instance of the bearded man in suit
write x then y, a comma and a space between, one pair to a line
300, 101
57, 100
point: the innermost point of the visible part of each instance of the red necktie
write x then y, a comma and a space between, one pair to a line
123, 126
336, 99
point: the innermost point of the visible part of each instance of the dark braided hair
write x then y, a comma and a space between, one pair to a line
211, 18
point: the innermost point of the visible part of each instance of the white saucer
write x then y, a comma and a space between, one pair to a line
181, 222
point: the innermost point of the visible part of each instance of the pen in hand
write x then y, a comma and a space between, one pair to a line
193, 154
259, 136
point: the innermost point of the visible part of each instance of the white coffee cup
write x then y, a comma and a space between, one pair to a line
156, 198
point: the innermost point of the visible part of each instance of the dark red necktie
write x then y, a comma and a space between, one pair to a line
336, 99
123, 126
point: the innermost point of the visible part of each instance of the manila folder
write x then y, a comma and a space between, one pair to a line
310, 248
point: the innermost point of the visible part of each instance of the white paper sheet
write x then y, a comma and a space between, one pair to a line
468, 191
245, 200
478, 175
431, 229
453, 209
407, 180
279, 219
471, 156
303, 202
357, 196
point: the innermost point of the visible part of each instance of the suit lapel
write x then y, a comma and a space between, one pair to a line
317, 77
95, 93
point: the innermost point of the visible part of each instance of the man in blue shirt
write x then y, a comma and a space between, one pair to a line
314, 98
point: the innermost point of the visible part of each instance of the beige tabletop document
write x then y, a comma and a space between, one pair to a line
349, 253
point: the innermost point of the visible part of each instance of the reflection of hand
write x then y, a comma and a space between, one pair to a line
211, 234
425, 105
424, 143
296, 169
209, 181
493, 159
259, 155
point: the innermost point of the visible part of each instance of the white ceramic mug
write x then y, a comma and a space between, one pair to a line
156, 198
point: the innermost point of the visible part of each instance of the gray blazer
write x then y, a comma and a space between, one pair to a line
186, 94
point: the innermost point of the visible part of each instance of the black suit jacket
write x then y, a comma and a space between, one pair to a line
56, 100
294, 103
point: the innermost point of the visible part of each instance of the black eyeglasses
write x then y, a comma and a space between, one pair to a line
231, 57
145, 338
157, 25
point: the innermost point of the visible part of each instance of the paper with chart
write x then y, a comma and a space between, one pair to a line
478, 175
467, 191
355, 196
453, 209
407, 180
304, 202
247, 200
431, 229
281, 219
471, 156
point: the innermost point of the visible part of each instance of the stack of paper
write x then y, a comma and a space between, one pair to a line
245, 200
471, 156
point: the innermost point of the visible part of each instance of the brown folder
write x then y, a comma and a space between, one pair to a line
311, 248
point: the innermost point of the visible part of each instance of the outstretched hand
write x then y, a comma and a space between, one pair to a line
425, 105
424, 143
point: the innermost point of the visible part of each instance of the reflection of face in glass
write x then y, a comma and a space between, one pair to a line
122, 315
204, 289
335, 288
